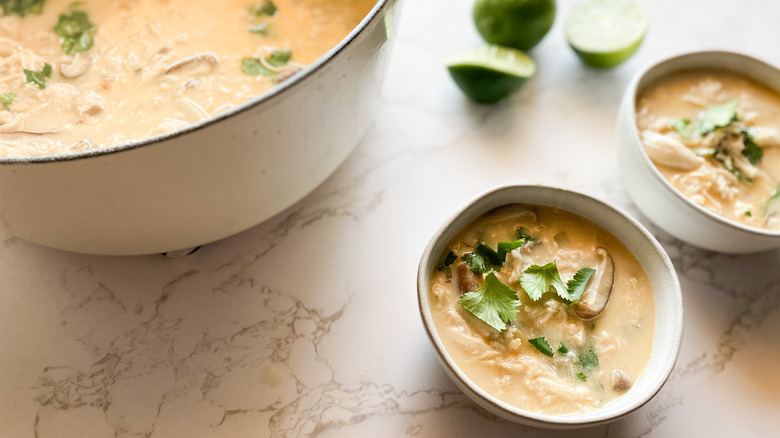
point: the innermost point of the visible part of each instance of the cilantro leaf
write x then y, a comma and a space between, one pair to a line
267, 8
448, 260
562, 349
753, 152
576, 286
7, 99
22, 7
483, 259
76, 31
537, 280
681, 126
253, 67
523, 234
542, 345
717, 117
494, 302
588, 361
506, 247
38, 77
279, 58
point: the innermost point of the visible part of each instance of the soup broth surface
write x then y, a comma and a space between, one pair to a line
154, 66
505, 363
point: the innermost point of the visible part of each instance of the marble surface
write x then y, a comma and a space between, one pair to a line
307, 325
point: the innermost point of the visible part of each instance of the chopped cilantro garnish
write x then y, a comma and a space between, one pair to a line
576, 286
588, 361
448, 260
267, 8
717, 117
753, 152
279, 58
38, 77
76, 31
7, 99
681, 126
523, 234
748, 213
562, 349
542, 345
253, 67
483, 259
494, 302
22, 7
506, 247
537, 280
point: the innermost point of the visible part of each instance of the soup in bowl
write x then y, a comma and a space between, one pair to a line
550, 308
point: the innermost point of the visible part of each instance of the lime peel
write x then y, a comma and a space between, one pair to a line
604, 33
490, 73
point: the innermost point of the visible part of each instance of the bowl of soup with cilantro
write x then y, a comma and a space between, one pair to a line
146, 126
699, 147
550, 308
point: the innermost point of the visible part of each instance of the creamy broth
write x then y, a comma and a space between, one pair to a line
504, 363
713, 169
135, 81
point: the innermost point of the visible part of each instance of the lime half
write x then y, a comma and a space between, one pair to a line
604, 33
491, 73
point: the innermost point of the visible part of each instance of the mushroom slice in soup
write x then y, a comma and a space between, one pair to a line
598, 290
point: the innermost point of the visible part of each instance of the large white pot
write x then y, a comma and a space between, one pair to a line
211, 179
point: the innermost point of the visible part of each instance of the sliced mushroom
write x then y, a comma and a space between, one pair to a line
620, 381
467, 281
210, 58
598, 289
76, 67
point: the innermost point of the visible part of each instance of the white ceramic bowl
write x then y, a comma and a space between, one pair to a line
211, 179
652, 193
663, 279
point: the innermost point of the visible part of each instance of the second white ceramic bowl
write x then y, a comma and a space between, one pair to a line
667, 333
655, 197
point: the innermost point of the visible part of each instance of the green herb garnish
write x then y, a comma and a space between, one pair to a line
7, 99
523, 234
483, 259
267, 8
562, 349
537, 280
253, 67
448, 260
576, 286
749, 213
588, 361
279, 58
494, 302
542, 345
717, 117
22, 7
681, 126
38, 77
753, 152
76, 31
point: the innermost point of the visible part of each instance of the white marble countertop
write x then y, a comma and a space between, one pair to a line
307, 325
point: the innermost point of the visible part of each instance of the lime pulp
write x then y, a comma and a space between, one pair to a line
604, 33
490, 73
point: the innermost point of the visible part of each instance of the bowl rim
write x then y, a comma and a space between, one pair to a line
270, 96
632, 92
513, 413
